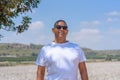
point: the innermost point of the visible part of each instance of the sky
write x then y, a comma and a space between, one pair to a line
93, 24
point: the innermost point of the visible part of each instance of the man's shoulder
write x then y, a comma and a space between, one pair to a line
73, 44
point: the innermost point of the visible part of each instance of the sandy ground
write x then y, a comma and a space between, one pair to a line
96, 71
104, 71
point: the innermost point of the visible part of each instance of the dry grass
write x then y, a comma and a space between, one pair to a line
96, 71
104, 70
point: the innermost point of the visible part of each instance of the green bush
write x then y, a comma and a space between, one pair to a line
17, 59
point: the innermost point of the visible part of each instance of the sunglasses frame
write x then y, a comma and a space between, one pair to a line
63, 27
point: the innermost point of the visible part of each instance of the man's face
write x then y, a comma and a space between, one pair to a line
60, 30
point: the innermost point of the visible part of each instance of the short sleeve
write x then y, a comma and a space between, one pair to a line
41, 58
82, 56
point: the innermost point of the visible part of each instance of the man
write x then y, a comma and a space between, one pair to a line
61, 59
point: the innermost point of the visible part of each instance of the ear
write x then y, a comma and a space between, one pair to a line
53, 30
67, 31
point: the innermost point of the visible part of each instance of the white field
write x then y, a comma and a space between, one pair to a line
96, 71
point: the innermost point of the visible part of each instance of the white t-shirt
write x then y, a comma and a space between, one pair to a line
61, 60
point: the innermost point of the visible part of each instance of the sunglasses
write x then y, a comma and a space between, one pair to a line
63, 27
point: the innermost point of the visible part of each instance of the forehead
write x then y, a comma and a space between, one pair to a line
62, 23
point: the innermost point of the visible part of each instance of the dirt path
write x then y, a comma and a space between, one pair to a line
96, 71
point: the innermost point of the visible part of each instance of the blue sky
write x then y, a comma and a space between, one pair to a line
93, 24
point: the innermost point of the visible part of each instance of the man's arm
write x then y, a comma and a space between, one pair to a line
40, 73
83, 71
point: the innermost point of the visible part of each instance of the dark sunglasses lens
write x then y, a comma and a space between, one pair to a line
65, 27
59, 27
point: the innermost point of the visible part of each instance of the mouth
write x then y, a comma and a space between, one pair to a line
61, 34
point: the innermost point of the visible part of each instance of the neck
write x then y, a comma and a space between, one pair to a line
60, 40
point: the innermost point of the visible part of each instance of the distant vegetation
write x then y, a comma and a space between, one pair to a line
20, 52
106, 55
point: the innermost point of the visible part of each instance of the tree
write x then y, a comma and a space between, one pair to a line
109, 57
10, 9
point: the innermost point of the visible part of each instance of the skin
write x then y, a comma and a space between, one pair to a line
60, 37
40, 73
83, 71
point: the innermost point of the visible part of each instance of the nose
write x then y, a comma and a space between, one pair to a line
61, 28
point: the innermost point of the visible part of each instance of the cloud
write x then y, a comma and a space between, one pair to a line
89, 24
112, 20
36, 25
113, 16
86, 37
114, 32
113, 13
32, 35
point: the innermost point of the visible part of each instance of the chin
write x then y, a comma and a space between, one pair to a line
61, 36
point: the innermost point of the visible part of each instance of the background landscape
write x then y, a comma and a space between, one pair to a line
17, 62
12, 53
93, 24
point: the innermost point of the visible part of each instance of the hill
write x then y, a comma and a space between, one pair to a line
15, 49
23, 50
